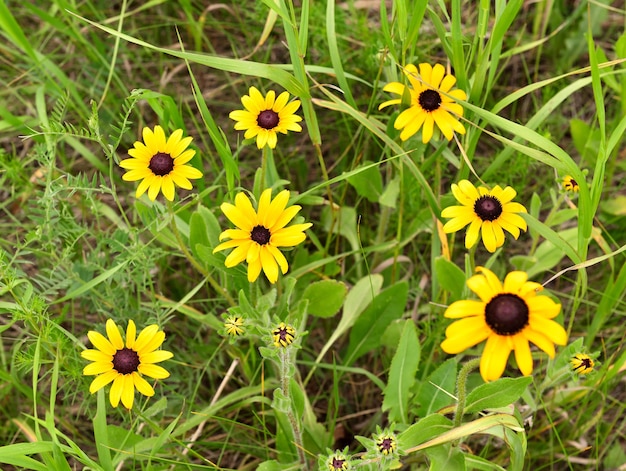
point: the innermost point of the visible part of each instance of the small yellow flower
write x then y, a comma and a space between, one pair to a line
233, 326
283, 335
569, 184
487, 212
433, 101
260, 233
508, 316
125, 363
582, 363
338, 461
263, 117
386, 444
160, 163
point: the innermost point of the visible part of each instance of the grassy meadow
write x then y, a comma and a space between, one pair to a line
334, 235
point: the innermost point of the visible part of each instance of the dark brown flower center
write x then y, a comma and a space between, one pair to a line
338, 463
161, 164
506, 314
268, 119
488, 208
261, 235
429, 100
386, 445
125, 361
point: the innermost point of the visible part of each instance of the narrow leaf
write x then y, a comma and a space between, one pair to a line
402, 374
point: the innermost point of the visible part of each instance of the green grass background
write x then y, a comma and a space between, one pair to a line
546, 98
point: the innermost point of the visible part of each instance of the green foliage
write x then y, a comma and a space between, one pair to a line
366, 291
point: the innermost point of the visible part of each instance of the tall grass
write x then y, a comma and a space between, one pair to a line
367, 290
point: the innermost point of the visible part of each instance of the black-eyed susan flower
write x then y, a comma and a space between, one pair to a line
386, 443
569, 184
263, 117
125, 363
260, 233
582, 364
433, 101
283, 335
487, 212
508, 316
233, 326
336, 461
160, 163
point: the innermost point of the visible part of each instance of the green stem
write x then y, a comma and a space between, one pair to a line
461, 391
285, 364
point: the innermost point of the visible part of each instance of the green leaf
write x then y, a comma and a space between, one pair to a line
388, 306
402, 374
547, 256
390, 194
358, 298
438, 390
325, 297
496, 394
423, 430
450, 277
368, 183
16, 454
204, 229
446, 457
92, 283
344, 224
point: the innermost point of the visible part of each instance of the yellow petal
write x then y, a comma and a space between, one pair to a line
153, 343
96, 355
465, 308
275, 209
494, 358
280, 258
270, 267
114, 335
101, 342
464, 334
523, 356
131, 332
142, 385
153, 371
489, 237
156, 356
542, 306
116, 390
473, 233
128, 391
98, 367
239, 254
254, 270
514, 281
145, 336
101, 381
154, 188
485, 285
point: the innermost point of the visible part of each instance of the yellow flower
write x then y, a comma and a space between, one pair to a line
386, 443
160, 163
260, 233
283, 335
432, 102
263, 117
125, 363
233, 325
569, 184
486, 211
582, 363
508, 317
